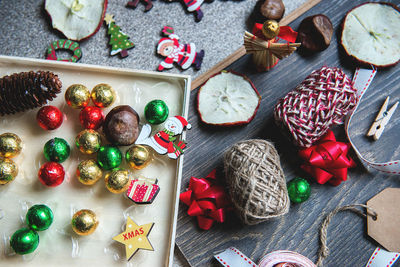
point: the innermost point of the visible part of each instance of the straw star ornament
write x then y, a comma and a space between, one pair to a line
109, 18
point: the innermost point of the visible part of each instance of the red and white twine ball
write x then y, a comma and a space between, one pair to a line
322, 100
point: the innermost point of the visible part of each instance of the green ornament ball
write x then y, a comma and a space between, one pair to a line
299, 190
109, 157
39, 217
156, 112
24, 241
57, 150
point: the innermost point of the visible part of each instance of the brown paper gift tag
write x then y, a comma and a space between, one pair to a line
385, 228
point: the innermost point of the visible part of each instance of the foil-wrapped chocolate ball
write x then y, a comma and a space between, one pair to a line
109, 157
156, 111
39, 217
77, 96
103, 95
270, 29
138, 157
299, 190
91, 117
24, 241
89, 172
84, 222
56, 149
117, 181
8, 171
51, 174
49, 118
10, 145
88, 141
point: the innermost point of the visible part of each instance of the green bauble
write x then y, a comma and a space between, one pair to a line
24, 241
56, 149
39, 217
156, 112
109, 157
299, 190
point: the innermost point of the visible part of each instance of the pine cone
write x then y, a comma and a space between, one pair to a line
27, 90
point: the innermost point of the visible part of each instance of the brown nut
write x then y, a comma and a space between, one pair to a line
121, 126
315, 33
269, 9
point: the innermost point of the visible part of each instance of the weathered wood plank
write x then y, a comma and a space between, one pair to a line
298, 230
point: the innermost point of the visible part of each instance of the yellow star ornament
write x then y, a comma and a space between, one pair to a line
135, 237
109, 18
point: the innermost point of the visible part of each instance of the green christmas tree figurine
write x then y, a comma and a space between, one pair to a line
118, 40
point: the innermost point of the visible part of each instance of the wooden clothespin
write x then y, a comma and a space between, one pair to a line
382, 119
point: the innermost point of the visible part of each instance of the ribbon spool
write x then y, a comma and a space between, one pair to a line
286, 258
233, 257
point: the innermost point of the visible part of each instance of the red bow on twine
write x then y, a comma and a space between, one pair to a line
327, 160
207, 201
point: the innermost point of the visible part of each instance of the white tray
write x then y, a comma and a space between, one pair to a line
59, 246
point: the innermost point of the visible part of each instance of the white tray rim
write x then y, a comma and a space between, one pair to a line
186, 79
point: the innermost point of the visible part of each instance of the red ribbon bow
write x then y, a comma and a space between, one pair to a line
207, 201
327, 160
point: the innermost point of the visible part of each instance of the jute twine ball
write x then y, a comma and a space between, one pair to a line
322, 100
256, 182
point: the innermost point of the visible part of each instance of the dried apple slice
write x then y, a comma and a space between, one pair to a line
76, 19
227, 99
371, 34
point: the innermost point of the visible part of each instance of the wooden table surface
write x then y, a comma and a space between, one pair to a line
299, 229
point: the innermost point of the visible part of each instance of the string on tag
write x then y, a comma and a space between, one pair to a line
324, 251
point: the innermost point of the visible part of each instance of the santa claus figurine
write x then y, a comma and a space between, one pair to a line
183, 54
163, 141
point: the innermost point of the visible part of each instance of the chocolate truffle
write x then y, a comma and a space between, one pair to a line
121, 126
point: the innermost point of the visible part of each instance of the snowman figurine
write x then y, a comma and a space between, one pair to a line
163, 141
